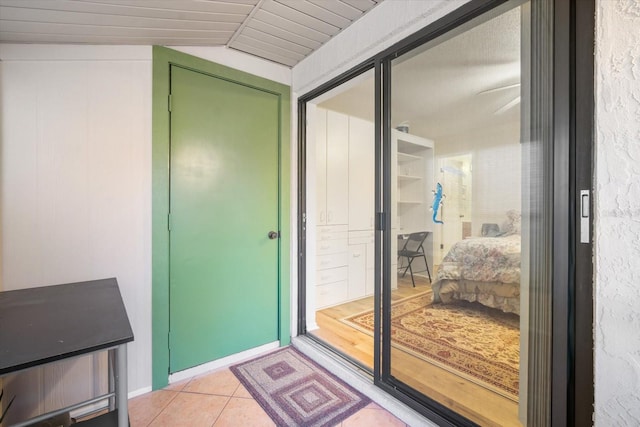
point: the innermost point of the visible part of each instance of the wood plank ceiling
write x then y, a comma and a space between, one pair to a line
283, 31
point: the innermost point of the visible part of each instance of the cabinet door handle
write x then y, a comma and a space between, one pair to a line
325, 246
322, 216
329, 216
356, 255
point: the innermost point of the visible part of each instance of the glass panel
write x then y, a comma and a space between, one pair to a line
457, 203
340, 137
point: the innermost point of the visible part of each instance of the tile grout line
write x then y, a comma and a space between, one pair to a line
163, 408
209, 394
177, 392
241, 397
223, 408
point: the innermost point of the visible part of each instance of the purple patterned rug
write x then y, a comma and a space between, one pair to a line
295, 391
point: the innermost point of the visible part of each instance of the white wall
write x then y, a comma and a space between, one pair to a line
617, 220
496, 176
76, 170
76, 175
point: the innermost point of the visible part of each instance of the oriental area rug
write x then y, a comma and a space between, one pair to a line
477, 343
295, 391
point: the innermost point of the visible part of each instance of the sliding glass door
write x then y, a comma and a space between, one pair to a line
340, 195
428, 218
455, 322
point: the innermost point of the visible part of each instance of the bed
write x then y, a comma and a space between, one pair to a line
482, 269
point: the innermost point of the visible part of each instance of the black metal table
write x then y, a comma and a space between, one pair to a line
51, 323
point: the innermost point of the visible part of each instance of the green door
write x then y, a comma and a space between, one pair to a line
223, 276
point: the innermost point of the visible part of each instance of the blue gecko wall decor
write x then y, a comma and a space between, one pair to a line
437, 201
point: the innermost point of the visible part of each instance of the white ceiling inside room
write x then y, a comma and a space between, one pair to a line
283, 31
468, 81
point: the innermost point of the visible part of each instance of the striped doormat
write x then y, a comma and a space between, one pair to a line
295, 391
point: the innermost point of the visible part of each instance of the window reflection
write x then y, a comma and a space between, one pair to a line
340, 194
455, 106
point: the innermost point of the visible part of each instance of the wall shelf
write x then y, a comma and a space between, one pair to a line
404, 157
412, 182
409, 178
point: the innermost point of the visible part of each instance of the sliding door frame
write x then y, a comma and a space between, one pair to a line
302, 198
571, 370
581, 391
432, 409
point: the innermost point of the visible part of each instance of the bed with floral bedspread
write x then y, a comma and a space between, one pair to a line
482, 269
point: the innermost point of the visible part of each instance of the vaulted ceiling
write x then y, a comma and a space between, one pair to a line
283, 31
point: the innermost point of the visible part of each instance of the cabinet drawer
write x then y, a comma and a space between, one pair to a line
325, 247
370, 281
371, 256
331, 294
331, 232
357, 277
332, 261
361, 237
332, 275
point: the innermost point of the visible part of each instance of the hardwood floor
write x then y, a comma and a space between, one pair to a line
475, 402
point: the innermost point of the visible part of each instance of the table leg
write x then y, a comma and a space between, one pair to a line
121, 386
111, 376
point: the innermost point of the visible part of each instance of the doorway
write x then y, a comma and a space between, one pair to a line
460, 111
458, 340
340, 190
455, 173
220, 208
223, 230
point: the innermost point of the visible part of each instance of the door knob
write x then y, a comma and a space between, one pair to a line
273, 235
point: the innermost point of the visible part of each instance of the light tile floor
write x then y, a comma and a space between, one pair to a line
218, 399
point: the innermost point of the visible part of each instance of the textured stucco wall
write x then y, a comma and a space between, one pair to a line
617, 221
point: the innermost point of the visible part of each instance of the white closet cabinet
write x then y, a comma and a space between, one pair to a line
361, 207
332, 270
331, 198
332, 168
345, 191
344, 188
357, 271
361, 174
361, 264
320, 124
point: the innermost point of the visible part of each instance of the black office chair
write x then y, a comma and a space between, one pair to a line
413, 249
